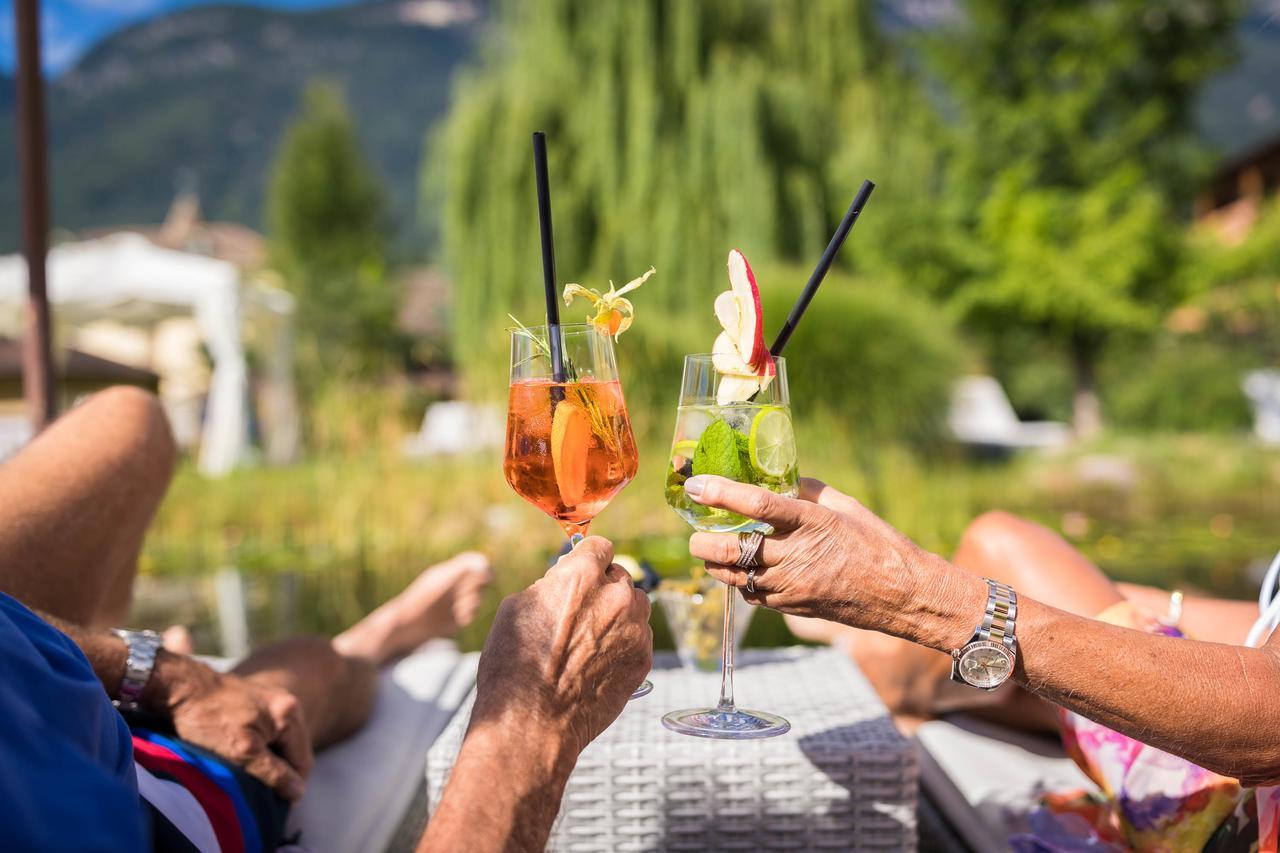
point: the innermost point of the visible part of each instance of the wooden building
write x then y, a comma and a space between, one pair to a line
1231, 201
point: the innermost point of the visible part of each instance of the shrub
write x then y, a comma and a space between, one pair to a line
877, 358
1177, 385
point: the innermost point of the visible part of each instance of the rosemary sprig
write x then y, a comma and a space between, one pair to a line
600, 424
571, 372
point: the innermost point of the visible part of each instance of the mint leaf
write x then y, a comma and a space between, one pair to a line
749, 474
718, 452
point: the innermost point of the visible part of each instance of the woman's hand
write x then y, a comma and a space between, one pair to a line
829, 557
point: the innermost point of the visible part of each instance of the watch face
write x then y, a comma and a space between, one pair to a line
986, 665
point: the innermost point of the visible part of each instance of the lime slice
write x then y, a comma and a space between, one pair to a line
684, 448
682, 456
772, 444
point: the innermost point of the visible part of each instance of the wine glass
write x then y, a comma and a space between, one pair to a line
569, 446
749, 442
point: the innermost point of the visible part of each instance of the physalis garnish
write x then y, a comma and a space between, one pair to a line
613, 313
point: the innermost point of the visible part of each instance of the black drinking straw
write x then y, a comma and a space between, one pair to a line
548, 255
820, 271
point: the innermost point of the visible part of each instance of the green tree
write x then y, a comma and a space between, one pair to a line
677, 130
325, 211
1074, 161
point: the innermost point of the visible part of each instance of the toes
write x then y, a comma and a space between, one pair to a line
478, 564
177, 639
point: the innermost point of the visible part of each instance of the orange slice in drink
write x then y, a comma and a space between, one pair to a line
570, 438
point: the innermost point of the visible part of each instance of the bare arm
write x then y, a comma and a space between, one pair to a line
1206, 702
504, 791
832, 558
1214, 619
259, 728
560, 662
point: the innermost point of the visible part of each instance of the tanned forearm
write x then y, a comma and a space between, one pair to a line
504, 791
1210, 703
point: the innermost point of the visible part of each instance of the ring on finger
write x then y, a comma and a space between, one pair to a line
751, 581
749, 547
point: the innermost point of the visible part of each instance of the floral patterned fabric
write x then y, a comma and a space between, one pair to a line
1148, 800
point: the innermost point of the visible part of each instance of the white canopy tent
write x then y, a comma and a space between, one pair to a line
127, 278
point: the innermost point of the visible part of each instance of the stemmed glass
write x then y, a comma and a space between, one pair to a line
750, 442
569, 446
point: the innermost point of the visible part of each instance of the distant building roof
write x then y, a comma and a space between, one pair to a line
185, 228
424, 302
1229, 204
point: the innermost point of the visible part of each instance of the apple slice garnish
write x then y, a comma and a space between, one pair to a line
727, 359
728, 315
750, 331
737, 389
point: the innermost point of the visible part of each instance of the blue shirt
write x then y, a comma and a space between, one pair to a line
66, 758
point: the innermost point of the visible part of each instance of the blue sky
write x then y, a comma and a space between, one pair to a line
69, 27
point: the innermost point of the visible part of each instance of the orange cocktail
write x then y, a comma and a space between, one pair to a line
569, 447
569, 444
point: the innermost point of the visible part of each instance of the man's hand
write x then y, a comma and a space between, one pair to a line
565, 654
256, 727
561, 661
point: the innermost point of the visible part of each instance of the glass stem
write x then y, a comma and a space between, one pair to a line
726, 651
574, 539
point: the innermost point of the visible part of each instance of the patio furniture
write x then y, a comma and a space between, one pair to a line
982, 416
981, 809
1262, 387
454, 427
842, 779
363, 789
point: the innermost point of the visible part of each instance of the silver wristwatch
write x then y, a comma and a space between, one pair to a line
143, 646
987, 660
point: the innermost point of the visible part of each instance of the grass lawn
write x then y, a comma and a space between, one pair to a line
336, 535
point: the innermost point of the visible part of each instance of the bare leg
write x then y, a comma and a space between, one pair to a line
78, 501
1035, 561
335, 680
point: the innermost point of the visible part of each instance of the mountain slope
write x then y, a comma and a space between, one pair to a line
1240, 108
204, 95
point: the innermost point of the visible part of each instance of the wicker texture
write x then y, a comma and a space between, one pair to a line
842, 779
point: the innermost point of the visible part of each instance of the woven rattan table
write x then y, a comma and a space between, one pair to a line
842, 779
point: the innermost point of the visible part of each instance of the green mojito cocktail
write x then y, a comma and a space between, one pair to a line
749, 442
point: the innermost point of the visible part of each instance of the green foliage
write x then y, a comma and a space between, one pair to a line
355, 529
677, 130
327, 239
1075, 134
1177, 386
1236, 289
877, 360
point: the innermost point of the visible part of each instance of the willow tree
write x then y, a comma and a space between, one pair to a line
677, 130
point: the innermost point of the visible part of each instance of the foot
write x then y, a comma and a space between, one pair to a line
437, 603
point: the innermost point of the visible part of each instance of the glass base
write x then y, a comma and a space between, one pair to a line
645, 688
738, 724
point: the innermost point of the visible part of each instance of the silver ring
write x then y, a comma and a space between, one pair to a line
751, 581
749, 547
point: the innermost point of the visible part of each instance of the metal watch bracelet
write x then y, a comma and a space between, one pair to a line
1001, 615
142, 648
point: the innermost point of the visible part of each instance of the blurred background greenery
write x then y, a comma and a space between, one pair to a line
1048, 181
